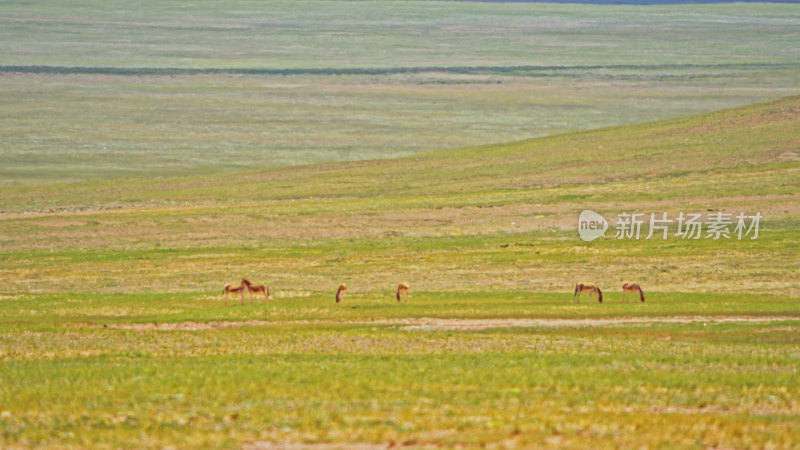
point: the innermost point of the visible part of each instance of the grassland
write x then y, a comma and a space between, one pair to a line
148, 156
69, 381
113, 332
491, 217
101, 90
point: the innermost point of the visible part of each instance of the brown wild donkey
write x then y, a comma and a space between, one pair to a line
340, 292
587, 288
260, 289
230, 289
632, 288
402, 291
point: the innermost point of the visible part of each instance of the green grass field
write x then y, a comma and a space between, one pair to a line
114, 333
68, 381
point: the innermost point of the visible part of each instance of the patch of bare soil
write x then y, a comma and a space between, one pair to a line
485, 324
789, 156
436, 324
191, 326
432, 436
319, 446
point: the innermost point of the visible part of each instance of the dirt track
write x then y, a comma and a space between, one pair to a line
433, 324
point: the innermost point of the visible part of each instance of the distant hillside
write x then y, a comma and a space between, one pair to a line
636, 2
98, 90
738, 138
491, 217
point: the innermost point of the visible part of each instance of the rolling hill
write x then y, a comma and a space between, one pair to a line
100, 90
490, 217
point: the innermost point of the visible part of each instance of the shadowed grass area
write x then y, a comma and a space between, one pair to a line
100, 90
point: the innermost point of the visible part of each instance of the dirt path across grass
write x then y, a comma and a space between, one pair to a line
436, 324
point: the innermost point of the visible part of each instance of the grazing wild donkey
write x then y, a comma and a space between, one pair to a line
340, 292
587, 288
239, 290
260, 289
402, 291
632, 288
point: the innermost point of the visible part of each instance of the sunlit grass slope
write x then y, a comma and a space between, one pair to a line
499, 216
